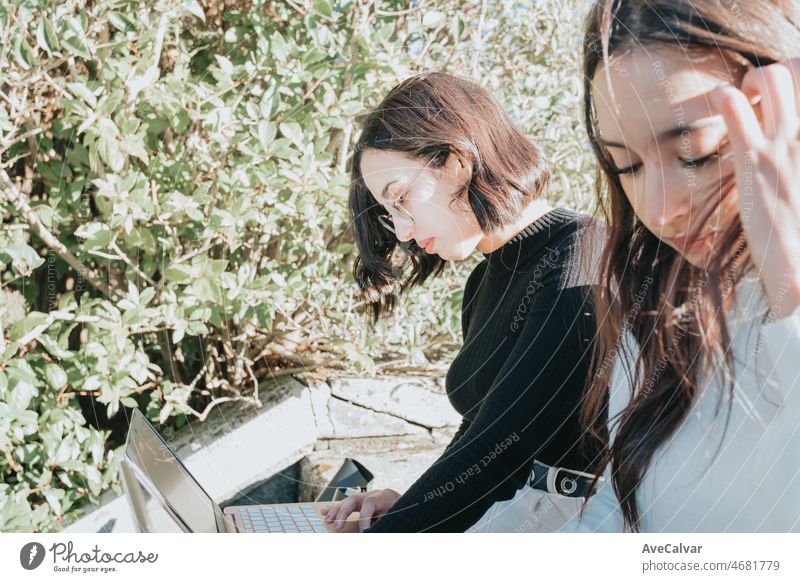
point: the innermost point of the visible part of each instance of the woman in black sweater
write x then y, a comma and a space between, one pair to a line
440, 171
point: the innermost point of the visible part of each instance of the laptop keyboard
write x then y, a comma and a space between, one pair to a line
293, 518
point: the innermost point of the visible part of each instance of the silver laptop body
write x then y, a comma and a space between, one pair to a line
165, 497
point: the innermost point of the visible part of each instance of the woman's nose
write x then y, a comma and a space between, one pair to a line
666, 207
404, 229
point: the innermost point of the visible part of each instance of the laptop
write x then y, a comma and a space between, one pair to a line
165, 497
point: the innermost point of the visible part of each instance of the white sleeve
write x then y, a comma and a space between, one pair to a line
782, 340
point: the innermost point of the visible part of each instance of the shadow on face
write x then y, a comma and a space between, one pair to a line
419, 200
667, 145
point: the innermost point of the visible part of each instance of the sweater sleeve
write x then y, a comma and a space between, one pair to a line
524, 413
459, 433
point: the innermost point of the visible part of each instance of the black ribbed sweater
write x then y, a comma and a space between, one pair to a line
517, 381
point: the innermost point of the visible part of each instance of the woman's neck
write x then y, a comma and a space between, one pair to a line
495, 240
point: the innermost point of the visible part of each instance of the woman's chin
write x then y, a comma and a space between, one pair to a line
452, 254
459, 251
702, 258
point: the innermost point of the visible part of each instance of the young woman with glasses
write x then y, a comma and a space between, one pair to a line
438, 172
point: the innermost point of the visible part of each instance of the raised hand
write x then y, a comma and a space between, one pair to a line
767, 155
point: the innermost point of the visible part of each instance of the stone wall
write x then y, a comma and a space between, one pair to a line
395, 426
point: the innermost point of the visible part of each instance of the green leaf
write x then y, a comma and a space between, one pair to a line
225, 64
280, 50
21, 394
142, 239
23, 258
314, 55
97, 235
77, 47
121, 22
52, 497
293, 131
146, 296
129, 402
206, 290
55, 376
193, 7
76, 41
180, 274
82, 91
386, 31
22, 328
46, 38
165, 412
324, 7
15, 512
263, 317
266, 132
23, 54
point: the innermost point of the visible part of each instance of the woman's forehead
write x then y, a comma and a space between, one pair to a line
642, 94
386, 171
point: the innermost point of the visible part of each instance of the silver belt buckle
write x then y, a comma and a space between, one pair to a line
566, 484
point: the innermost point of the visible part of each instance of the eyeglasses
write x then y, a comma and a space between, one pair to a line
386, 220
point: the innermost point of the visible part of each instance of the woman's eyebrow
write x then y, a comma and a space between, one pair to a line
668, 134
685, 128
386, 188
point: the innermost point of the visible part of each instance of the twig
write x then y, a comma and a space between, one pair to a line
23, 136
126, 259
20, 203
478, 43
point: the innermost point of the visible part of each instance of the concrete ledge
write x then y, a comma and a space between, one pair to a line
395, 426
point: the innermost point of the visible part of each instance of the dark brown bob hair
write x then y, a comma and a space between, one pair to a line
426, 118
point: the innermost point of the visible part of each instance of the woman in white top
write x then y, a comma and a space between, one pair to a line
692, 111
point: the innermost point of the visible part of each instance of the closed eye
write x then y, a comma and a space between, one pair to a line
700, 161
689, 163
627, 170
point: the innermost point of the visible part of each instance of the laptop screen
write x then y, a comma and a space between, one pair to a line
156, 461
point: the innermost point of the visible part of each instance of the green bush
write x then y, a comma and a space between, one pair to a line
173, 188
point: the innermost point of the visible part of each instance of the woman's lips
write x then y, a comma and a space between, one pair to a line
426, 245
684, 244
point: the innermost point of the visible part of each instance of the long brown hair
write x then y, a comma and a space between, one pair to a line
426, 118
674, 311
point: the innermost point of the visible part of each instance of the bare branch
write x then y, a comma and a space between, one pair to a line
20, 203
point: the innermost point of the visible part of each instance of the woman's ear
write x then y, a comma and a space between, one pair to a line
457, 167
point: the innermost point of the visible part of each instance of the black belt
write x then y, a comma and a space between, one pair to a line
561, 481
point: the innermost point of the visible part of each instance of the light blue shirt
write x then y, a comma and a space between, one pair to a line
703, 479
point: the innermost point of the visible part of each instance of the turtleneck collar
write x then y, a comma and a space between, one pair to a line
514, 254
